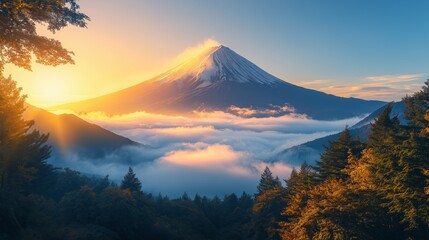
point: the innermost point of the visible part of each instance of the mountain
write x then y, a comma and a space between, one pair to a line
398, 110
220, 79
70, 134
310, 151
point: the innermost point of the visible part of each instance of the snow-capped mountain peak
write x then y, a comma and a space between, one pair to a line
217, 64
220, 79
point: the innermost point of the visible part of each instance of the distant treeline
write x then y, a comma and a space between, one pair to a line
373, 190
80, 207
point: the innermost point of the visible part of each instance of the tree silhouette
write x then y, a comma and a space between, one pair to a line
131, 182
18, 36
23, 152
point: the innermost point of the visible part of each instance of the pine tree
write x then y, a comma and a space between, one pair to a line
334, 159
412, 181
23, 151
102, 184
23, 155
399, 162
382, 146
131, 182
300, 181
384, 130
297, 187
268, 206
418, 108
267, 182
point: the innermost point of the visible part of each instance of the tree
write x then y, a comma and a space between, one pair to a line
245, 201
19, 39
399, 163
335, 208
267, 182
102, 184
230, 202
131, 182
418, 108
23, 151
23, 154
300, 181
334, 159
384, 130
383, 142
268, 205
297, 188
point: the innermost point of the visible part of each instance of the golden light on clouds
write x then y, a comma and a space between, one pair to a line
217, 157
204, 156
193, 51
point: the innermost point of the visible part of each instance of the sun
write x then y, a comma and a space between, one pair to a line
51, 89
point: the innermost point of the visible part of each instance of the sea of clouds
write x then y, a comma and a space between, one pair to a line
209, 153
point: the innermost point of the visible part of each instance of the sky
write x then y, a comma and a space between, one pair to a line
367, 49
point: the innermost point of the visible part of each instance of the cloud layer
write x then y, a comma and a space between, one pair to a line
211, 153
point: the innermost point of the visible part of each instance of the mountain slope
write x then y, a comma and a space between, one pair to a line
219, 79
70, 134
310, 151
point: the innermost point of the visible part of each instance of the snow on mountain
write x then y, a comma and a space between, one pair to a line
220, 79
218, 64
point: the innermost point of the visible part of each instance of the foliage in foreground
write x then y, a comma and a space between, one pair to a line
374, 190
378, 192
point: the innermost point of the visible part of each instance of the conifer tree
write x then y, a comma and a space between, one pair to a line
384, 130
298, 186
131, 182
102, 184
300, 181
334, 159
335, 208
267, 181
23, 155
268, 206
383, 147
399, 163
23, 151
418, 108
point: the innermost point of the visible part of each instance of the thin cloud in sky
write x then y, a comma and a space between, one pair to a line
395, 78
314, 83
382, 87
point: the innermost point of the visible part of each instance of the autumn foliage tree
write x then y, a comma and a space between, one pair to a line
375, 192
400, 162
269, 202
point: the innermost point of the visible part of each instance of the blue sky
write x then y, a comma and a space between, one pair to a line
367, 49
309, 39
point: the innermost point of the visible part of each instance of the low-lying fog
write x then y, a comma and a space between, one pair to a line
212, 153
